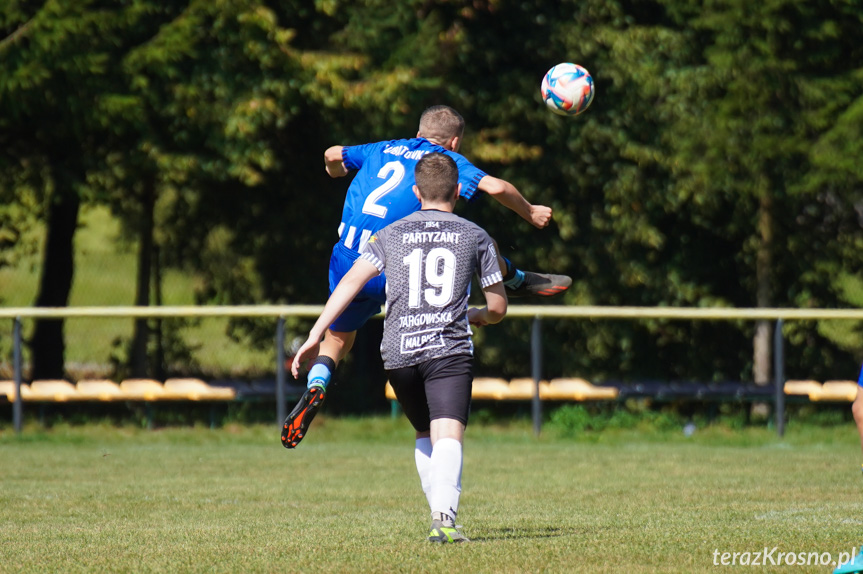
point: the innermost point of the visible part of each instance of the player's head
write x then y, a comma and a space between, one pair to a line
442, 125
437, 179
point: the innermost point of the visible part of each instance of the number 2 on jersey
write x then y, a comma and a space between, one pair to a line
439, 273
393, 172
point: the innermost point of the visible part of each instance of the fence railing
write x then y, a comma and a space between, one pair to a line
537, 312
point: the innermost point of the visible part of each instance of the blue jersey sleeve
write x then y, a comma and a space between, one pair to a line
354, 156
468, 175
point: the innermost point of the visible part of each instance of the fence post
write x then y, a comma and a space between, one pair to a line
281, 413
779, 375
16, 359
536, 371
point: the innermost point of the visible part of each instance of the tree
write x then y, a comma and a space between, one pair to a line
56, 60
767, 70
716, 167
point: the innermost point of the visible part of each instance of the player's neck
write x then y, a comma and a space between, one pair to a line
438, 206
443, 143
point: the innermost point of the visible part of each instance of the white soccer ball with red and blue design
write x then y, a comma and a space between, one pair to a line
567, 89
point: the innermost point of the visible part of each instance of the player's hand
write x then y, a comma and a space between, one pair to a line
476, 317
308, 351
540, 215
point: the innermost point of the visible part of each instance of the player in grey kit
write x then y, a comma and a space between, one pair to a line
430, 258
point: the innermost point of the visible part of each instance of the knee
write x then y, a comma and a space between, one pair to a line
857, 408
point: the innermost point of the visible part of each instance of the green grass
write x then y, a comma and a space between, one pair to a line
105, 275
99, 498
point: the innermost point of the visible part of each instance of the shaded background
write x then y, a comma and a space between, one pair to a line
171, 153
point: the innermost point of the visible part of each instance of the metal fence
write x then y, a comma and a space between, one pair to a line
536, 312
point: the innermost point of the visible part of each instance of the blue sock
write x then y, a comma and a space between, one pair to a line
516, 280
319, 375
512, 278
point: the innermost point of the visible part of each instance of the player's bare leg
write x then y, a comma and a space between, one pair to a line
337, 344
333, 349
446, 428
857, 411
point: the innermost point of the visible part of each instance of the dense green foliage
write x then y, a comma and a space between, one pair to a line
718, 166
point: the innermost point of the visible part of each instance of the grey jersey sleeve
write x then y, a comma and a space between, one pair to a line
374, 252
489, 269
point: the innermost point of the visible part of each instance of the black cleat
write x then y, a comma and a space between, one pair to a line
540, 285
298, 421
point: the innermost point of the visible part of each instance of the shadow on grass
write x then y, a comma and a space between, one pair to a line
523, 533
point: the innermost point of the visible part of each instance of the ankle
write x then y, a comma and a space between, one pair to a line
320, 372
509, 271
516, 280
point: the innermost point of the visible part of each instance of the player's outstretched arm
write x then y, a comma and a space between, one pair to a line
333, 162
507, 194
495, 309
343, 294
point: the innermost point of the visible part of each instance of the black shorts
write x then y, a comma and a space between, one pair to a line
435, 389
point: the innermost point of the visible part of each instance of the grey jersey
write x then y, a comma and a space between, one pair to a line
430, 258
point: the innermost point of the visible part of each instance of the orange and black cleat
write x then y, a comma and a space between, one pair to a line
297, 423
540, 285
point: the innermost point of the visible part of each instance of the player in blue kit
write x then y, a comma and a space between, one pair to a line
379, 194
429, 257
857, 407
855, 565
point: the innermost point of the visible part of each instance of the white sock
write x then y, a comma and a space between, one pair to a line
422, 455
445, 476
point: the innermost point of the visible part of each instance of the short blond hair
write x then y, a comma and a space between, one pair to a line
441, 123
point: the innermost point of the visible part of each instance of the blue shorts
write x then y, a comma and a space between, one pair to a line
860, 378
366, 304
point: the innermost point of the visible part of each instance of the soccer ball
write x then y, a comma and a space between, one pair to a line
567, 89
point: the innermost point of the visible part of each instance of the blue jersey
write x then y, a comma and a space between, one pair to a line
382, 190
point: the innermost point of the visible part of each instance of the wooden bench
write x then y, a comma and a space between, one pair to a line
522, 389
579, 390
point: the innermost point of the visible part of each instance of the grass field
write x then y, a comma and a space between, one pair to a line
106, 499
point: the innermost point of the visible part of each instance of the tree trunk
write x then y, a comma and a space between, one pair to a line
48, 344
139, 359
763, 264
